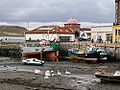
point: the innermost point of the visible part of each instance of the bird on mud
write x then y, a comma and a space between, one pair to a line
47, 74
58, 72
67, 72
37, 71
52, 73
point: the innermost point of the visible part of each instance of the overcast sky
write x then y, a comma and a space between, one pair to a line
96, 11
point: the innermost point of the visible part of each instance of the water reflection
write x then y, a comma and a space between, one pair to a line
83, 81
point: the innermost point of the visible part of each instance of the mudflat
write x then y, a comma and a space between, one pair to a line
14, 75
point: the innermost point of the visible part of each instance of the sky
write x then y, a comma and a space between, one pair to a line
51, 11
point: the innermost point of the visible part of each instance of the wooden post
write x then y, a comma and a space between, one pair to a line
41, 55
115, 51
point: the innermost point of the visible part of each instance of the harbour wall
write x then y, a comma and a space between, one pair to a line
13, 50
10, 50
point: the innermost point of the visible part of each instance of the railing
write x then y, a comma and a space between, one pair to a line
94, 44
97, 44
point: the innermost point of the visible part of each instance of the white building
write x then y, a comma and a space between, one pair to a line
12, 38
51, 33
69, 32
103, 32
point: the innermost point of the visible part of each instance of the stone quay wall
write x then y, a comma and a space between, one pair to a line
13, 50
10, 50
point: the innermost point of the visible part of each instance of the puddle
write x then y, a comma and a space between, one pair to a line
102, 67
4, 58
83, 81
7, 60
13, 69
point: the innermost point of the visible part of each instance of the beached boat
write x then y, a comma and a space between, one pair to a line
89, 54
78, 52
103, 54
111, 77
33, 61
35, 48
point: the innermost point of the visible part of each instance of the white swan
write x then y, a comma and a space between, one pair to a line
36, 71
52, 73
58, 72
47, 74
67, 72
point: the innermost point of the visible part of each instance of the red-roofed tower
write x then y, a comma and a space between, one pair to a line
73, 24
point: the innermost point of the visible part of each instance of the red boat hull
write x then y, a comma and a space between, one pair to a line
46, 55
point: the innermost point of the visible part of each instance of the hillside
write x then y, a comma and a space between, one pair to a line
12, 30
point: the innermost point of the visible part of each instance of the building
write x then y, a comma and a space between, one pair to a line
12, 33
51, 33
102, 32
68, 32
116, 26
75, 26
116, 34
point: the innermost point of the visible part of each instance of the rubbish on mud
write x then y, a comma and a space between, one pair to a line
34, 78
46, 77
79, 81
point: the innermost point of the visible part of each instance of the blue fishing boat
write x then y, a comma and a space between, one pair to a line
89, 54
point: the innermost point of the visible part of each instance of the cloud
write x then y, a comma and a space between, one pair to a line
33, 25
56, 11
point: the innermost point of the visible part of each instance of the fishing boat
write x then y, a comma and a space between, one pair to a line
36, 48
103, 53
33, 61
78, 52
89, 54
110, 77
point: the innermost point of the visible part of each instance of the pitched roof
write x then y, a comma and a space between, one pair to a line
51, 30
85, 29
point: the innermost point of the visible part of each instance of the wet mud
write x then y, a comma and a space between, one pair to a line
14, 75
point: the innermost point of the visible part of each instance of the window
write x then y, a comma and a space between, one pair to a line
29, 39
115, 32
119, 32
64, 38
